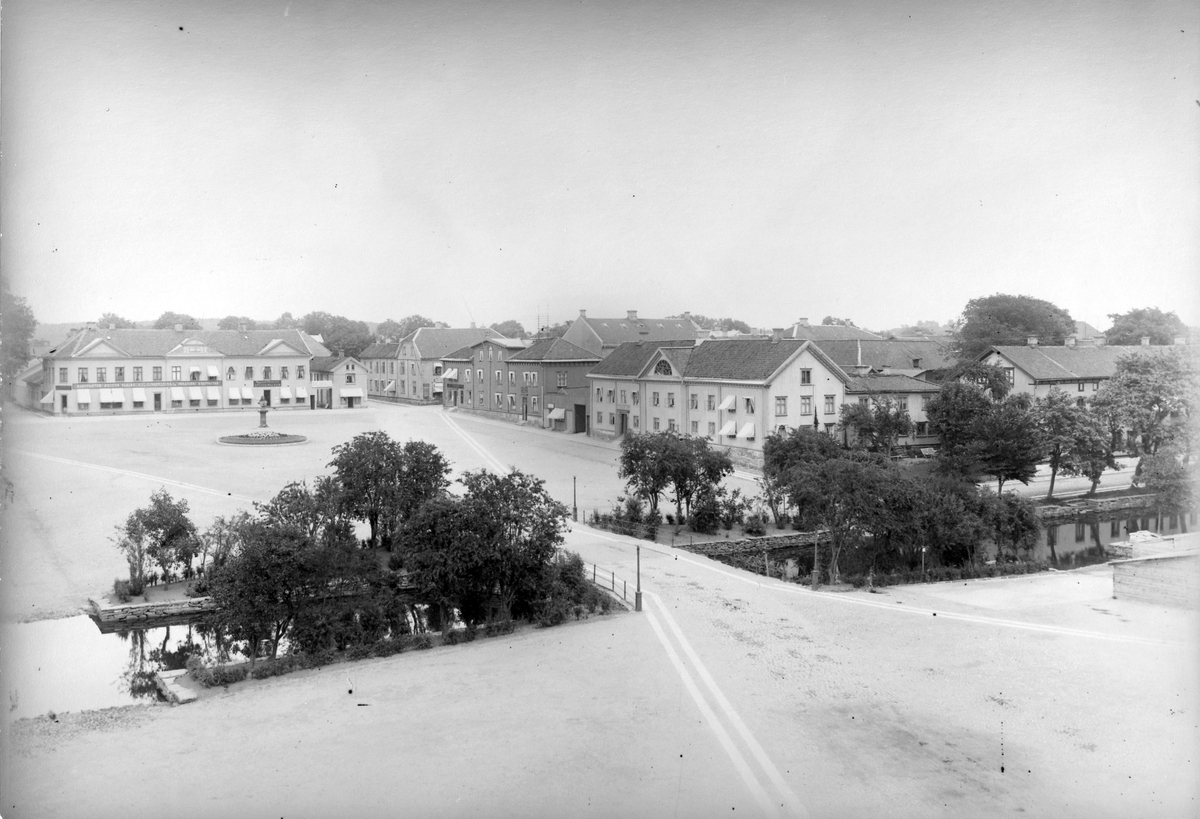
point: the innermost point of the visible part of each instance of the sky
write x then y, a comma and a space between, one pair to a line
480, 161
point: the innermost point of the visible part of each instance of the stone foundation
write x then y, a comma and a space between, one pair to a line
1168, 580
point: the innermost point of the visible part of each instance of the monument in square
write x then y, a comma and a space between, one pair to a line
264, 435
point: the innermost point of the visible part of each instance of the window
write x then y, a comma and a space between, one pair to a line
193, 402
83, 405
671, 424
176, 404
749, 406
283, 373
512, 401
499, 401
562, 379
599, 396
922, 427
712, 402
637, 396
636, 422
829, 410
83, 373
469, 394
300, 371
437, 369
916, 363
512, 378
249, 374
156, 373
806, 376
656, 422
612, 419
525, 378
654, 398
806, 405
230, 374
139, 404
467, 376
349, 378
111, 404
102, 376
118, 374
599, 418
479, 378
481, 355
624, 397
1095, 386
1081, 386
670, 399
533, 402
177, 373
609, 395
925, 401
194, 374
62, 375
862, 402
695, 427
533, 378
712, 428
781, 405
212, 402
693, 401
499, 376
481, 398
499, 355
266, 373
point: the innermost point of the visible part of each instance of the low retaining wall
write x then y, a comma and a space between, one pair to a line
755, 545
1171, 580
140, 615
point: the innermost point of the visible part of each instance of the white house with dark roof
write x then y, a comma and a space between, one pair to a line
113, 371
336, 382
601, 336
736, 392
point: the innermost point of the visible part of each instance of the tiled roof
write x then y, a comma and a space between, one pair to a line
461, 354
678, 356
1069, 363
629, 359
740, 359
615, 331
381, 349
828, 332
153, 343
435, 342
554, 349
898, 355
329, 363
888, 383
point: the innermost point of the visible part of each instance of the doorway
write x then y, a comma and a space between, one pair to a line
267, 397
158, 402
581, 418
623, 423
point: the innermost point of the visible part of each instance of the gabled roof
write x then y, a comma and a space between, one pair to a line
876, 383
616, 331
155, 343
435, 342
828, 332
630, 358
678, 357
381, 349
329, 363
1068, 363
461, 354
740, 359
554, 349
895, 353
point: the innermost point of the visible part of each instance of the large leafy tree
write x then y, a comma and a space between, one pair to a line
991, 378
510, 328
236, 323
784, 451
1003, 319
1011, 445
116, 322
692, 466
1154, 395
17, 326
1132, 327
1014, 520
169, 319
338, 332
645, 465
1058, 419
389, 328
410, 324
878, 424
285, 322
954, 414
319, 513
160, 533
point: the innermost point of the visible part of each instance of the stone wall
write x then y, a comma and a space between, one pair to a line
140, 615
1170, 580
755, 545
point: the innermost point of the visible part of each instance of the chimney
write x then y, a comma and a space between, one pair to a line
1070, 341
1145, 341
631, 315
803, 321
886, 369
857, 352
1180, 341
776, 334
583, 313
687, 314
179, 328
862, 369
1031, 341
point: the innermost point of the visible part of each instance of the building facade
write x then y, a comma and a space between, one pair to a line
477, 378
336, 382
601, 336
410, 370
122, 371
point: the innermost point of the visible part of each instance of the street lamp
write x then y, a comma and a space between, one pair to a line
574, 501
637, 595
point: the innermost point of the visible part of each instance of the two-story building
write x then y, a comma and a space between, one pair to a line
735, 392
337, 382
477, 378
379, 361
112, 371
418, 362
601, 336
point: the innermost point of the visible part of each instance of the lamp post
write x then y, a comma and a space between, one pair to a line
637, 595
574, 501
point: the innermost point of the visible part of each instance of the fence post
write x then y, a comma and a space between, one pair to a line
593, 572
624, 588
613, 580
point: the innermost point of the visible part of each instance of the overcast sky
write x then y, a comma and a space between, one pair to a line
882, 161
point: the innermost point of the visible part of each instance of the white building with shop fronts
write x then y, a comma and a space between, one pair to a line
123, 371
337, 382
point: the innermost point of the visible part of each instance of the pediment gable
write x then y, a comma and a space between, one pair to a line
191, 348
278, 348
101, 348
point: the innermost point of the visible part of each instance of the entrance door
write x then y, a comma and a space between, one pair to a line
624, 422
267, 397
312, 401
158, 402
581, 418
64, 403
524, 408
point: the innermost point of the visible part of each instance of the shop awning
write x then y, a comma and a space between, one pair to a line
729, 429
194, 369
235, 394
48, 398
285, 392
139, 394
728, 403
195, 394
558, 414
301, 394
83, 396
104, 396
352, 392
747, 430
214, 393
451, 374
390, 387
437, 387
212, 371
176, 393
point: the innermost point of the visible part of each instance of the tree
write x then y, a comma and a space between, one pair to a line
116, 322
692, 465
991, 378
1002, 319
1132, 327
168, 320
1168, 475
17, 325
841, 322
1058, 419
782, 452
1013, 519
320, 513
410, 324
1011, 445
1154, 395
646, 466
1090, 451
554, 330
389, 329
223, 538
954, 414
236, 323
877, 424
285, 322
510, 328
159, 533
338, 332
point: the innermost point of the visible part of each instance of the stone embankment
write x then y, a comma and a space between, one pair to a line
144, 615
799, 541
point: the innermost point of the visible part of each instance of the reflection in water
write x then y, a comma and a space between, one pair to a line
167, 648
1086, 539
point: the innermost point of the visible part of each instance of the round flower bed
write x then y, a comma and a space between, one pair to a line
262, 437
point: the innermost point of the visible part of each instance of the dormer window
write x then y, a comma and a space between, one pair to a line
916, 362
663, 367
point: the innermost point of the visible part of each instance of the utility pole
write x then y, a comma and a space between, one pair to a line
637, 595
574, 501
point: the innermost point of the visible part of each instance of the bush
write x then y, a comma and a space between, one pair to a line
121, 590
210, 677
501, 627
419, 641
358, 652
459, 635
755, 527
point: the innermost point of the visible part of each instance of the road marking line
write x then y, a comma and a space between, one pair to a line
130, 473
789, 796
479, 450
735, 756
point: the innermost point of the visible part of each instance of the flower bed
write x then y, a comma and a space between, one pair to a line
265, 437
